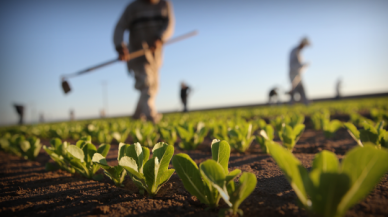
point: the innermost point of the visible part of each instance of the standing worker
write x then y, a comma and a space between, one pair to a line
20, 111
185, 90
150, 23
296, 70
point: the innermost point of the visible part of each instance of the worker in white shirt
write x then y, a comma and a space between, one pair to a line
296, 69
150, 23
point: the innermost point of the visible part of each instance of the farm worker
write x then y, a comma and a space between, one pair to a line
338, 88
296, 70
185, 90
20, 110
273, 96
150, 23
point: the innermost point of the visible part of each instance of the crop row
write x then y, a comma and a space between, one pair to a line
329, 189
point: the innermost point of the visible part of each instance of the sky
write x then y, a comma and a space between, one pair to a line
240, 53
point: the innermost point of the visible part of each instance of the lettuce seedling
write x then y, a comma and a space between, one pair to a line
240, 137
331, 188
115, 173
81, 154
290, 136
146, 135
121, 135
191, 137
373, 135
148, 175
103, 136
20, 146
296, 119
265, 135
354, 133
212, 180
318, 119
191, 175
58, 153
330, 127
168, 135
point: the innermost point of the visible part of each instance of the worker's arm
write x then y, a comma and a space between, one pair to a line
118, 35
168, 29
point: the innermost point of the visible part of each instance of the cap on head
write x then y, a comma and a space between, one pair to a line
305, 41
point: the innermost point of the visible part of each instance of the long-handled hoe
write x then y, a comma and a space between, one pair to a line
66, 87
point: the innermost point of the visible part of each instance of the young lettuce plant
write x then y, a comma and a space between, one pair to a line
58, 153
265, 135
290, 136
20, 146
240, 137
373, 135
331, 188
168, 135
318, 119
145, 135
148, 175
115, 173
121, 135
330, 127
191, 137
81, 155
212, 180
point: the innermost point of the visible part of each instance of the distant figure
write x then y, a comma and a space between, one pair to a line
296, 70
273, 96
338, 88
72, 115
41, 118
185, 90
150, 23
20, 110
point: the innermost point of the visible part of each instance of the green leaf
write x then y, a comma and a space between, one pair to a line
76, 152
25, 145
247, 184
146, 154
188, 172
354, 133
103, 149
151, 170
269, 131
221, 153
298, 130
99, 159
365, 166
131, 166
232, 175
135, 152
214, 175
325, 161
122, 150
164, 153
328, 190
293, 170
89, 150
165, 176
56, 142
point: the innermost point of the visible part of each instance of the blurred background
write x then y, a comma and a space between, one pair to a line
241, 52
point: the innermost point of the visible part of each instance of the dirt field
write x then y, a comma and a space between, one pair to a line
26, 189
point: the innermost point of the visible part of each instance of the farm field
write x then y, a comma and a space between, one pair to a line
31, 188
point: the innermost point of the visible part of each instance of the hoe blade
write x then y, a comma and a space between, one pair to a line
66, 87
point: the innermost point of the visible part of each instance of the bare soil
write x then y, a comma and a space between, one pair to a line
27, 189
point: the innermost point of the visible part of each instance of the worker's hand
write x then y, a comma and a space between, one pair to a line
156, 45
123, 52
